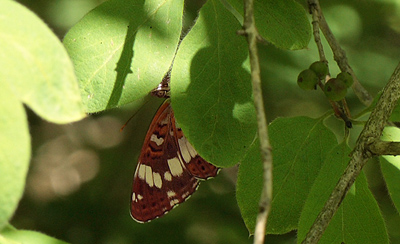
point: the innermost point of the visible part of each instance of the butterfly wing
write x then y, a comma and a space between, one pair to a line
197, 166
161, 180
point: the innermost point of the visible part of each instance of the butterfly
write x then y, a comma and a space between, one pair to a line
169, 168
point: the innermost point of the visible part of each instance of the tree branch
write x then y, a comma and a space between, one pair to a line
362, 152
251, 33
385, 148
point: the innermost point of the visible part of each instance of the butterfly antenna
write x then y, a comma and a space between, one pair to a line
137, 111
161, 91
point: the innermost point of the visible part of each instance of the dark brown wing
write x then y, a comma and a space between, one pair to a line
161, 180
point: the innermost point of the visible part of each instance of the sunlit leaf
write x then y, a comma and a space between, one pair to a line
14, 152
11, 235
391, 167
122, 49
35, 64
211, 90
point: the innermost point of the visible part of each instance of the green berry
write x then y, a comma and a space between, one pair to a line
320, 68
335, 89
346, 78
307, 80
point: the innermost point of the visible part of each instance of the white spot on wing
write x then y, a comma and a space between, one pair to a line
171, 194
175, 166
158, 141
165, 121
183, 145
184, 195
149, 176
141, 171
157, 180
134, 197
173, 202
167, 176
191, 150
140, 197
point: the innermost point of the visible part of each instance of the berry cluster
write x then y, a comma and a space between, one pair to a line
335, 88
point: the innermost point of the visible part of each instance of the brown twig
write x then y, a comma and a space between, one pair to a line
317, 38
250, 31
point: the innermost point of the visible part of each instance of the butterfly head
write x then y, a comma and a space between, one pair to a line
162, 90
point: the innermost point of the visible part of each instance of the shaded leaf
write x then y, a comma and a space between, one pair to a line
299, 145
395, 116
249, 186
282, 23
211, 90
358, 219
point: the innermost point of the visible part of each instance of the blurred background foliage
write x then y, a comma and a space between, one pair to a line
79, 183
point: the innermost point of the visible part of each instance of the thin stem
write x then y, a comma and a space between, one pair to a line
251, 33
317, 38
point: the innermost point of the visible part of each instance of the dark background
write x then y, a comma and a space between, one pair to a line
79, 183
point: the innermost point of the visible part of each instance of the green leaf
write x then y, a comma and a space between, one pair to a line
391, 172
37, 67
299, 147
358, 219
370, 107
14, 152
391, 167
10, 235
211, 90
249, 186
122, 49
395, 116
282, 23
